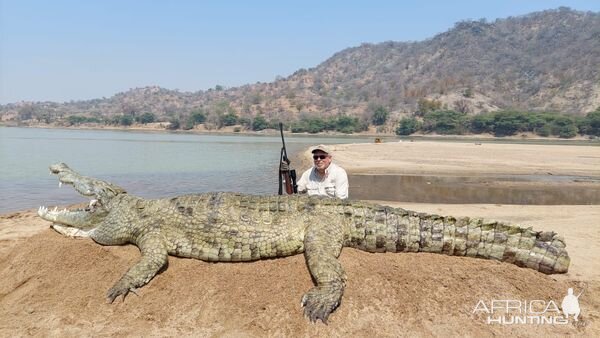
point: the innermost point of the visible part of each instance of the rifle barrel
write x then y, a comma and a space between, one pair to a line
285, 158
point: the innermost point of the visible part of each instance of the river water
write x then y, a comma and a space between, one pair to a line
147, 164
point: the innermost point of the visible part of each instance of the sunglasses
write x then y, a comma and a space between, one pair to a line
319, 157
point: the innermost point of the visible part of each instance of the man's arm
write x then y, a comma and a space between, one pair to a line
341, 184
303, 182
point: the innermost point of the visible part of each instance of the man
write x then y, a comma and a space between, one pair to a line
324, 178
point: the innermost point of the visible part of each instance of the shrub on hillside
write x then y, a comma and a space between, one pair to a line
407, 126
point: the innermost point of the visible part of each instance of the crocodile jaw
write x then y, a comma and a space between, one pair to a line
76, 218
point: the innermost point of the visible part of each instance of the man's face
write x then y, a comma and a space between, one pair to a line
321, 160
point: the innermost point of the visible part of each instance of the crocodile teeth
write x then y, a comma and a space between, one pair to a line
93, 203
59, 184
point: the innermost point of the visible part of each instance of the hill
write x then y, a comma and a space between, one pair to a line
543, 61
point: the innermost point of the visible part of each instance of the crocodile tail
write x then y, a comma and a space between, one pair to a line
384, 229
474, 237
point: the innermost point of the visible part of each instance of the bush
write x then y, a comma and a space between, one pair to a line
407, 126
545, 130
229, 119
311, 125
344, 124
187, 124
590, 125
197, 117
507, 123
245, 121
174, 124
259, 123
146, 118
76, 119
347, 125
445, 122
380, 116
468, 92
564, 127
426, 106
482, 123
125, 120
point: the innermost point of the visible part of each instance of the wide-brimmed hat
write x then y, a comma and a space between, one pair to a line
322, 148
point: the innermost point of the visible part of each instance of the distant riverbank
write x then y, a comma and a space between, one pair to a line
370, 135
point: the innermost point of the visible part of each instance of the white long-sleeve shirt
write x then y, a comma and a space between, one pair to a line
334, 184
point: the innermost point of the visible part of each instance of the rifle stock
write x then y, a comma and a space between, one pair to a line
287, 179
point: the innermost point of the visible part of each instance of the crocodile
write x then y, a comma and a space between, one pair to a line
232, 227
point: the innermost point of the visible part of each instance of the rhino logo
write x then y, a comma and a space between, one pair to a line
570, 304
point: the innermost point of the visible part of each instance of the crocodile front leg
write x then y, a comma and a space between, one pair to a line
322, 246
154, 256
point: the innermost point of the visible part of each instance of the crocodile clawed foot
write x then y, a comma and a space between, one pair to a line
121, 288
319, 302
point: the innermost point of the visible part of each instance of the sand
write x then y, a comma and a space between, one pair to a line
55, 286
469, 158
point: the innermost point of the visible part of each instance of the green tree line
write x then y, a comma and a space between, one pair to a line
501, 123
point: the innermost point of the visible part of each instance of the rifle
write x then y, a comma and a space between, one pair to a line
287, 176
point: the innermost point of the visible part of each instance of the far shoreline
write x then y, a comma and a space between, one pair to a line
525, 138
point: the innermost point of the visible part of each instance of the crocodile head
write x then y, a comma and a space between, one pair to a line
100, 193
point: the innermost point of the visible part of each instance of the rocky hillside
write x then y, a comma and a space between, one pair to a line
544, 61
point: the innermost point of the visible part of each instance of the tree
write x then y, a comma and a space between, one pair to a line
445, 122
591, 124
197, 117
425, 106
126, 120
468, 92
545, 130
407, 126
146, 118
174, 123
75, 119
507, 123
347, 124
482, 123
259, 123
245, 121
463, 106
229, 119
564, 127
25, 113
380, 116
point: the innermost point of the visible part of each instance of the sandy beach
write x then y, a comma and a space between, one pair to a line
55, 286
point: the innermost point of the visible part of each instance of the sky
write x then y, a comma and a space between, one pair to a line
63, 50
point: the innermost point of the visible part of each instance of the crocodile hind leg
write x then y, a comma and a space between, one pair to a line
322, 246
